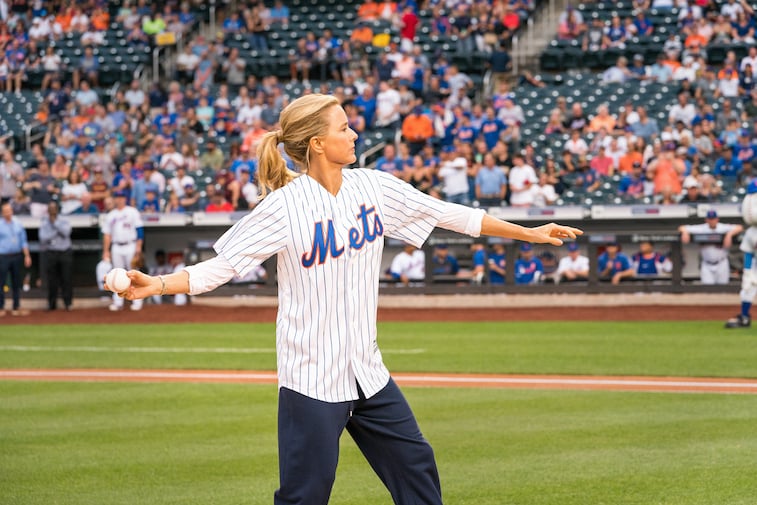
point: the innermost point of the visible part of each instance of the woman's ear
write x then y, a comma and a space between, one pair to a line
316, 145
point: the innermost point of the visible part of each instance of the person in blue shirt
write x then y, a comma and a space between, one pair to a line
444, 263
479, 262
648, 262
492, 128
366, 104
389, 162
528, 268
632, 185
497, 264
727, 167
614, 265
491, 183
14, 254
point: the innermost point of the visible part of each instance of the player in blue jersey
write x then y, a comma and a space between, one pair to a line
615, 265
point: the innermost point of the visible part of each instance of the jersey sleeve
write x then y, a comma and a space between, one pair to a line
256, 237
409, 215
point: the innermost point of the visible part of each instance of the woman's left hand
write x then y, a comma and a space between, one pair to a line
552, 233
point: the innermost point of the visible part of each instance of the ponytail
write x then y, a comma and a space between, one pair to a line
273, 172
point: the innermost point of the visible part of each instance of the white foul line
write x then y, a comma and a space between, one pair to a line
172, 350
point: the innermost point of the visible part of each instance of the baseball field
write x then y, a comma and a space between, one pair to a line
95, 413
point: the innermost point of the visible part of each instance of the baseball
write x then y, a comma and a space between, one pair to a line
117, 280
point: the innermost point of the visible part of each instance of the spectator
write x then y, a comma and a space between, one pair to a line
491, 183
727, 167
387, 107
691, 193
71, 193
87, 68
233, 68
150, 204
180, 180
409, 265
14, 253
216, 200
99, 189
417, 130
648, 262
618, 73
20, 204
573, 267
191, 201
593, 38
11, 175
682, 111
453, 173
528, 268
544, 191
41, 186
87, 207
248, 194
521, 178
614, 265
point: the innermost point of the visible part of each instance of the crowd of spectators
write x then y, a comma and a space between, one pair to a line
705, 147
189, 144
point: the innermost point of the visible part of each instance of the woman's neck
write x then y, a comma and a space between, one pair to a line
330, 178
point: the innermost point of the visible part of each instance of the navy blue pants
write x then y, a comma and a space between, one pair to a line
382, 426
11, 264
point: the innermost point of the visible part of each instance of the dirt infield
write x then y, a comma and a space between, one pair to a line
572, 382
197, 313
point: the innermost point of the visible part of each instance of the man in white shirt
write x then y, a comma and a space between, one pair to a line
387, 106
749, 59
409, 265
682, 111
453, 171
179, 181
573, 267
134, 95
521, 177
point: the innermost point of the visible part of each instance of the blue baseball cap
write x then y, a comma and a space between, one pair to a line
121, 192
712, 214
526, 247
572, 246
752, 187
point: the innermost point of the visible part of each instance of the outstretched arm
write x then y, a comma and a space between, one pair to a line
195, 279
550, 233
476, 222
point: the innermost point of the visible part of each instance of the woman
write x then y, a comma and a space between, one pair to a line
327, 227
71, 192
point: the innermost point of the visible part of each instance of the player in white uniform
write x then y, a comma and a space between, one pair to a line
573, 267
748, 247
123, 233
409, 265
327, 229
715, 267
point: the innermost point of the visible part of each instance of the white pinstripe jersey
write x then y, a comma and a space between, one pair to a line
122, 224
328, 260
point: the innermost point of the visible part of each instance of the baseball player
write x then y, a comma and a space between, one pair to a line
748, 247
714, 267
327, 228
123, 233
409, 265
573, 267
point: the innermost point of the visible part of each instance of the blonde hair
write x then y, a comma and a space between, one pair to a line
300, 121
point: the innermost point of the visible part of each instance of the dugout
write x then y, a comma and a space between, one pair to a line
192, 236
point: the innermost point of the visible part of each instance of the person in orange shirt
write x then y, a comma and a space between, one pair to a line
64, 19
368, 11
417, 129
667, 172
253, 136
626, 162
603, 119
362, 35
100, 19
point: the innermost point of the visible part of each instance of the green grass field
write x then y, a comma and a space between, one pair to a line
121, 443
